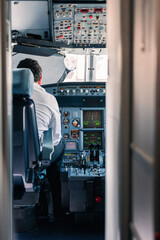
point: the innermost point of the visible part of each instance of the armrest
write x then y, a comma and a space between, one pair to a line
47, 148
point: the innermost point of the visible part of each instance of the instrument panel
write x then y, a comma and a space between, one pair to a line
74, 131
83, 121
83, 124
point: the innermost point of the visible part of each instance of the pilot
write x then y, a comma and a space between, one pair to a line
47, 110
48, 116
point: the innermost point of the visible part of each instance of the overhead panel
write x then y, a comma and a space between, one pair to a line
80, 25
59, 24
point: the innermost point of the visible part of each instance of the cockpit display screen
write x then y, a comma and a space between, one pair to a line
70, 145
92, 139
92, 119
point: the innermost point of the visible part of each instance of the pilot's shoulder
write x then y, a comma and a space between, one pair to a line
50, 100
42, 92
50, 97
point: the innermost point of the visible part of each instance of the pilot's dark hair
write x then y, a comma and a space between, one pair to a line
33, 65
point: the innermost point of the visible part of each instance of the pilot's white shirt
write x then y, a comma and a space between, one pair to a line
47, 113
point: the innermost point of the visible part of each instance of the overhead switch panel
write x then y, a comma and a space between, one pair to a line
80, 25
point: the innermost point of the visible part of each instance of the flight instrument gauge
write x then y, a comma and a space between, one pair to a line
75, 123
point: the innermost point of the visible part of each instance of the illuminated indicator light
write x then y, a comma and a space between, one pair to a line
90, 16
98, 10
61, 36
69, 28
157, 236
84, 10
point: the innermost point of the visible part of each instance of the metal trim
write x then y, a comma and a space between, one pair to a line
157, 137
135, 232
146, 157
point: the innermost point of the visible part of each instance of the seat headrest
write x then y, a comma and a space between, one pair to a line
23, 81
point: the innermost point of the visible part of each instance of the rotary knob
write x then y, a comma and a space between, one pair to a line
66, 114
92, 91
66, 136
65, 121
86, 91
81, 91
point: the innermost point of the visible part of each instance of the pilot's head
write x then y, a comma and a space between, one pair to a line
34, 66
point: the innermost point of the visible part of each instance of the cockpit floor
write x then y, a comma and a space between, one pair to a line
62, 229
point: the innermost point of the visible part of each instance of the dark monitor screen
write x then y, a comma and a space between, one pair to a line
94, 138
92, 119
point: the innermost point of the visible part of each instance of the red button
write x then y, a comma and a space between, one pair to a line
98, 199
90, 17
157, 236
69, 28
61, 36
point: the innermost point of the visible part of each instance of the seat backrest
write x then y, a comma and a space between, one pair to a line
26, 149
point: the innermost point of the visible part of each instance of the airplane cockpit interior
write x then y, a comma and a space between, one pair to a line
68, 39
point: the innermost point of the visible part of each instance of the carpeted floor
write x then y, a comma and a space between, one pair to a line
62, 229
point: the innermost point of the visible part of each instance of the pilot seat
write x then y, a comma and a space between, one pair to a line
26, 152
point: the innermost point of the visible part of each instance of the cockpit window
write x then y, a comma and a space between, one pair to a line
83, 69
52, 67
80, 67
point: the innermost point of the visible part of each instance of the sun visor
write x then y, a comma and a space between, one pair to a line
38, 51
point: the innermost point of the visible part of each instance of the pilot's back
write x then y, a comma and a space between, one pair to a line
47, 109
